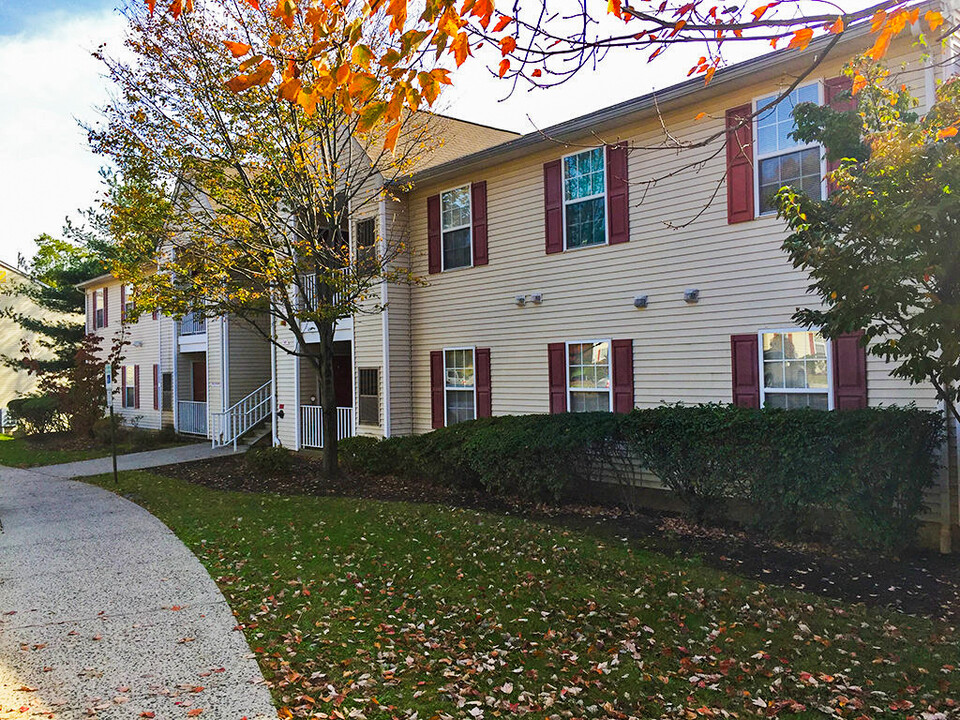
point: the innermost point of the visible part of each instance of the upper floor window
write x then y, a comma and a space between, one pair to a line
459, 392
782, 160
128, 302
455, 231
588, 376
584, 199
366, 245
794, 370
99, 309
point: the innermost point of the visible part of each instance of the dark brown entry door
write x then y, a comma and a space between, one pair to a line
343, 380
200, 381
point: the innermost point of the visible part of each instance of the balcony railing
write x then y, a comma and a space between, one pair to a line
311, 425
193, 325
192, 417
308, 291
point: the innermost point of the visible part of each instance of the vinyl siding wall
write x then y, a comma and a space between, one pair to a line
17, 383
249, 353
681, 350
143, 348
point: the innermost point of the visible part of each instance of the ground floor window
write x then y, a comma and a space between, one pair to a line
369, 396
460, 402
795, 370
166, 382
129, 387
588, 376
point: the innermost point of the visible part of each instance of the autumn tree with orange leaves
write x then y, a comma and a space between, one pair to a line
532, 42
264, 169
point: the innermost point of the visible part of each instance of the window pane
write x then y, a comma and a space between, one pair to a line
459, 406
790, 169
586, 224
774, 127
459, 368
456, 249
455, 207
773, 374
817, 373
589, 367
589, 402
583, 174
794, 401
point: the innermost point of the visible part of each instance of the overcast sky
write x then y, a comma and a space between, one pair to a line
49, 81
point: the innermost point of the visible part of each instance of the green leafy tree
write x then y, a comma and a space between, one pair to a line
882, 251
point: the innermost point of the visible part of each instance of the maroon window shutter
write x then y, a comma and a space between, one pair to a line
833, 89
478, 205
739, 164
156, 387
94, 323
436, 389
618, 198
622, 376
484, 394
553, 206
106, 305
123, 386
433, 234
136, 386
557, 369
123, 303
155, 314
745, 356
849, 372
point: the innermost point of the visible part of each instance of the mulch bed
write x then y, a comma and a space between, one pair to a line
924, 583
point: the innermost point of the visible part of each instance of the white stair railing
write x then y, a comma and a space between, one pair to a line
230, 425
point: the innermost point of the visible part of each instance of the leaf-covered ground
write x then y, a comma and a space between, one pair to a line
60, 447
366, 609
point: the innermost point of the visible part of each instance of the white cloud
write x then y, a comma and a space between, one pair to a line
48, 80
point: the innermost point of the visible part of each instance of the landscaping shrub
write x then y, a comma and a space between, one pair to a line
101, 429
35, 414
141, 439
167, 435
856, 475
269, 460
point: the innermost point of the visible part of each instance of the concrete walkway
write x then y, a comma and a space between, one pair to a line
137, 461
105, 614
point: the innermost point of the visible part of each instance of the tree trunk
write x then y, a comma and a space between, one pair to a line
328, 400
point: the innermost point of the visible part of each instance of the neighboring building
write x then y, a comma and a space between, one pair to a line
587, 266
17, 383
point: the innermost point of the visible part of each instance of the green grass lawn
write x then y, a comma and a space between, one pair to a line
358, 608
28, 452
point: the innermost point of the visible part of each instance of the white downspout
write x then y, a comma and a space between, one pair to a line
386, 323
176, 375
296, 398
273, 379
224, 364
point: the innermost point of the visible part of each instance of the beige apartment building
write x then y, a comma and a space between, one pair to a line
18, 383
609, 262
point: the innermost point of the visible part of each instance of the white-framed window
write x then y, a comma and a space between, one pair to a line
366, 250
781, 160
585, 199
588, 376
129, 398
795, 368
128, 302
459, 385
456, 231
100, 311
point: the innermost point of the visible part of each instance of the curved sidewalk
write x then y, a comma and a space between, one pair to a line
105, 614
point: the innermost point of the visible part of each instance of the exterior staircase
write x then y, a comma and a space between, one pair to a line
245, 416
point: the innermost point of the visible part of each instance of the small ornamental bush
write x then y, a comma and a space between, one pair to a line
268, 460
35, 414
857, 475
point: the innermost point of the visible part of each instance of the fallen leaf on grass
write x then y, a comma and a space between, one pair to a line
194, 712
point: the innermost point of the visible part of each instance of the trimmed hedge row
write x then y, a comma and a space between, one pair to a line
857, 475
